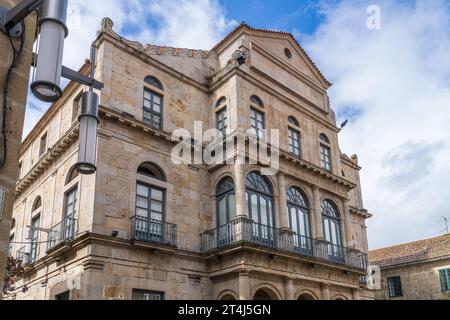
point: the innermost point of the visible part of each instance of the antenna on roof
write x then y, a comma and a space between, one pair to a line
446, 224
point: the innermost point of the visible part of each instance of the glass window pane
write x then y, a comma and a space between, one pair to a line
156, 206
142, 212
222, 212
264, 212
294, 226
254, 208
157, 99
142, 202
232, 206
157, 195
142, 190
156, 216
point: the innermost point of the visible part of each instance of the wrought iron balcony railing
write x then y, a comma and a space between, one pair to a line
63, 232
24, 255
243, 230
149, 230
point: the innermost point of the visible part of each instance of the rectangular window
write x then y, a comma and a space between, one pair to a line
144, 295
69, 214
153, 108
395, 287
325, 157
150, 204
294, 143
222, 122
43, 145
445, 279
257, 123
11, 246
34, 236
76, 108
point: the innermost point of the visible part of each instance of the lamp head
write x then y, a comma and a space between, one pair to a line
52, 32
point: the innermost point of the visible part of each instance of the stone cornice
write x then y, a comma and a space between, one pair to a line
317, 170
48, 159
361, 212
228, 72
49, 114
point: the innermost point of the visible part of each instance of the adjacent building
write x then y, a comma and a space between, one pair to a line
146, 228
414, 271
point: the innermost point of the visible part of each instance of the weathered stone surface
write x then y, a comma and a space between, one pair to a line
109, 267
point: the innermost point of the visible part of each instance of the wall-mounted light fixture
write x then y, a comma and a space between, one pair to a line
49, 69
52, 32
87, 152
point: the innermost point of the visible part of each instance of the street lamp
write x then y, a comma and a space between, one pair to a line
52, 32
87, 150
49, 68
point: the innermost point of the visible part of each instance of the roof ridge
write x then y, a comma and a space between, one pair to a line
410, 243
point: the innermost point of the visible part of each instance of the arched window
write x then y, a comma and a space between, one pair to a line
325, 152
154, 82
226, 209
151, 170
324, 138
153, 103
306, 296
293, 120
37, 204
260, 208
257, 101
70, 205
222, 117
298, 208
221, 101
332, 229
265, 294
149, 220
73, 174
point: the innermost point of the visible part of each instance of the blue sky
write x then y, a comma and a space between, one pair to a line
392, 83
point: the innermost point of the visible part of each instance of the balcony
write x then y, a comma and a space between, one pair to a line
62, 234
154, 231
245, 231
24, 255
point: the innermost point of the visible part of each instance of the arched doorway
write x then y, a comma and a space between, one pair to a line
227, 297
264, 295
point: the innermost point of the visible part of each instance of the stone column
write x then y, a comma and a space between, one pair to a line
289, 289
325, 291
282, 203
244, 285
348, 226
241, 203
356, 294
316, 213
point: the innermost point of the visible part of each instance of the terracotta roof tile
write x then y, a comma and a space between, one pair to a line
419, 251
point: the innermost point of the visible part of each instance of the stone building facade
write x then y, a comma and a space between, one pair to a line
414, 271
144, 227
17, 97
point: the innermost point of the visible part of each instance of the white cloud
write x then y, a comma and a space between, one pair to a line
196, 24
394, 85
